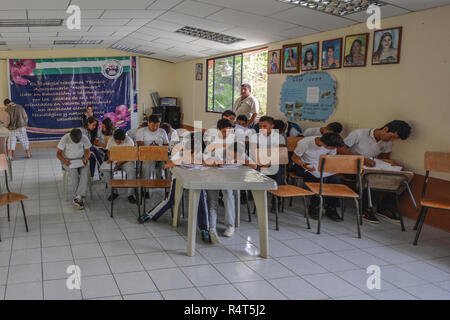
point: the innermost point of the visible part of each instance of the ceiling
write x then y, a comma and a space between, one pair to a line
150, 24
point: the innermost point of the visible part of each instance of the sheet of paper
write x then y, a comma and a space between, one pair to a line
229, 166
383, 165
193, 166
107, 166
76, 163
312, 95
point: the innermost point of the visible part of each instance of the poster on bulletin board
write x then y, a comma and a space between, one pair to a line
309, 96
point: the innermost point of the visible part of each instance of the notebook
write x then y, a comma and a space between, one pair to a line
76, 163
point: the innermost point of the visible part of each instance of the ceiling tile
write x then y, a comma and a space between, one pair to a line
15, 35
196, 9
186, 20
313, 19
61, 14
114, 28
164, 4
41, 4
296, 32
419, 4
248, 20
14, 29
105, 22
179, 44
109, 4
254, 35
259, 7
132, 14
164, 25
214, 45
386, 12
163, 34
13, 14
138, 22
62, 28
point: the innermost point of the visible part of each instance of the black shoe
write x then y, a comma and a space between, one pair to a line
132, 199
390, 215
370, 217
313, 212
243, 197
205, 236
332, 214
221, 203
114, 197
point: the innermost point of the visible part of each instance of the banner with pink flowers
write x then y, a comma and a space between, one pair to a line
55, 92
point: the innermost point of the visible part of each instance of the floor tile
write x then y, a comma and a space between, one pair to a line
269, 268
116, 248
98, 287
26, 256
428, 292
24, 291
182, 294
237, 272
259, 290
397, 294
56, 270
304, 246
361, 258
57, 290
221, 292
83, 251
52, 254
359, 278
134, 282
144, 296
217, 254
331, 262
204, 275
301, 265
400, 277
156, 260
425, 271
145, 245
168, 279
332, 285
93, 266
127, 263
295, 288
25, 273
390, 255
183, 260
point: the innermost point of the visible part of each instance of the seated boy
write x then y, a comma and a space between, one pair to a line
72, 149
120, 139
331, 127
376, 143
151, 135
306, 164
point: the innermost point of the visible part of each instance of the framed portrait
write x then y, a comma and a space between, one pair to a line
290, 58
310, 57
387, 44
355, 51
274, 61
199, 71
331, 54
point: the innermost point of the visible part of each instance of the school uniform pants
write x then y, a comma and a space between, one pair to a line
213, 205
21, 135
388, 202
129, 169
152, 170
169, 201
78, 179
331, 202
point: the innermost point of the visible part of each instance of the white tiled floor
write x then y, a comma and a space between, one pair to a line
121, 259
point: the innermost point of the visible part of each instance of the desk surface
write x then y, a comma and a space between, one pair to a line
242, 178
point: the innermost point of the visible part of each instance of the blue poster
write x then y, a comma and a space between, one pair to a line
55, 92
309, 96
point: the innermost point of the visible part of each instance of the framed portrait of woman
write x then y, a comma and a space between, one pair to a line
274, 61
387, 44
310, 57
198, 71
290, 58
355, 52
331, 54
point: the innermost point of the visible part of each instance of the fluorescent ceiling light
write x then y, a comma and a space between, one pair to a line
30, 22
127, 49
208, 35
336, 7
75, 42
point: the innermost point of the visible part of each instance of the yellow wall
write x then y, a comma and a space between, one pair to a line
416, 90
155, 75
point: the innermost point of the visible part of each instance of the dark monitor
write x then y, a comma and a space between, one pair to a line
155, 98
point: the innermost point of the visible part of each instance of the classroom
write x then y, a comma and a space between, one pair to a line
225, 150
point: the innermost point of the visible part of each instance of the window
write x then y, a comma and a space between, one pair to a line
226, 74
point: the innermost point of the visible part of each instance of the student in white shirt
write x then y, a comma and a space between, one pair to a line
172, 134
151, 135
75, 146
120, 139
306, 164
212, 133
331, 127
377, 143
247, 104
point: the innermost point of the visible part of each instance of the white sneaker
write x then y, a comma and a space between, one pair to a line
214, 237
229, 232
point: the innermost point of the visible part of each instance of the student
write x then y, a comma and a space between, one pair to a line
132, 133
229, 115
331, 127
180, 158
171, 133
120, 139
376, 143
90, 131
18, 120
151, 135
306, 164
89, 113
75, 146
281, 126
212, 133
241, 121
294, 130
107, 130
214, 157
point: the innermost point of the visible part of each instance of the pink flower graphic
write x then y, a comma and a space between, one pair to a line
18, 69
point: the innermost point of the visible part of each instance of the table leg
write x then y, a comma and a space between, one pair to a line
194, 198
176, 205
237, 201
260, 197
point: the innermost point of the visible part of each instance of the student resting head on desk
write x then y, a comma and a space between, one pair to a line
73, 152
376, 143
335, 127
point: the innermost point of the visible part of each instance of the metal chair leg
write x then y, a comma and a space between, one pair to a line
276, 213
112, 201
7, 208
419, 217
306, 213
320, 214
358, 217
360, 211
248, 208
400, 213
419, 228
24, 216
342, 209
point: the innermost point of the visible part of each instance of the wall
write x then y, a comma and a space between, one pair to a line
155, 75
416, 90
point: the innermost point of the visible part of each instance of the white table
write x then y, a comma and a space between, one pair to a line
243, 178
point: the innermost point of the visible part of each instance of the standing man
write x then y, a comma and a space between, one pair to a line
247, 104
17, 126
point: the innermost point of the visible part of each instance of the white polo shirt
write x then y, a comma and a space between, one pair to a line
309, 152
247, 106
128, 142
362, 142
158, 137
312, 132
72, 150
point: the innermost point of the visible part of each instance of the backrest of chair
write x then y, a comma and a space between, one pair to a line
153, 153
342, 164
123, 153
292, 143
3, 162
437, 161
264, 156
